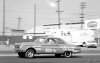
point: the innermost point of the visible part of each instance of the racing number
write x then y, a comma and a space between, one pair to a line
49, 50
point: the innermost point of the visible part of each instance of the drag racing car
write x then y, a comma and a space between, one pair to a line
46, 45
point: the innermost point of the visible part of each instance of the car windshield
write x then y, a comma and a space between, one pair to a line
40, 40
50, 41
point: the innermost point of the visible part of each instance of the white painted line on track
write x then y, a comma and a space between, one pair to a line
87, 54
8, 55
83, 54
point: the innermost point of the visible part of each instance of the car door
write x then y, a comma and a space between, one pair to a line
50, 46
62, 45
40, 43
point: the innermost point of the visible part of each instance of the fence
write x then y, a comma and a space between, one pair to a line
16, 39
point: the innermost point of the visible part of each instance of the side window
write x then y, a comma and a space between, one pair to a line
59, 41
50, 41
41, 40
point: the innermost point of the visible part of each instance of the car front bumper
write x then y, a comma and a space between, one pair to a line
19, 50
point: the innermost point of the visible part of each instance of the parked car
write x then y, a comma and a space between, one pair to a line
91, 44
46, 45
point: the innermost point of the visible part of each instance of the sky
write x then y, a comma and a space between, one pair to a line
46, 12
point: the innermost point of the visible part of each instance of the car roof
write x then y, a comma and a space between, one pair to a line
48, 37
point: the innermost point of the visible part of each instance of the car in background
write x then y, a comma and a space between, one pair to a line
46, 45
91, 44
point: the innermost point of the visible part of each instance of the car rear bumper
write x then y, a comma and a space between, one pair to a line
77, 51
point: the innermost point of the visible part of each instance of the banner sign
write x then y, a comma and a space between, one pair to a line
92, 24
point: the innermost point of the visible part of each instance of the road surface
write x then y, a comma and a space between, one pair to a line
88, 55
13, 58
51, 59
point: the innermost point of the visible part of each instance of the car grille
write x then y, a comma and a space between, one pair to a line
17, 46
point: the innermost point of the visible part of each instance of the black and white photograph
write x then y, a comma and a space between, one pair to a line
49, 31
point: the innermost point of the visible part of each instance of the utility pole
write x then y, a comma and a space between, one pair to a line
3, 20
19, 22
34, 19
83, 5
59, 12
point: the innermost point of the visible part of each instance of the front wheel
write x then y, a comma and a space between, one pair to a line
68, 54
29, 53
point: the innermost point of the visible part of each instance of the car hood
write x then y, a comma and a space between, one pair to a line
26, 43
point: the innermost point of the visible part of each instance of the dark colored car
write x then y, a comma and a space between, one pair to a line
46, 45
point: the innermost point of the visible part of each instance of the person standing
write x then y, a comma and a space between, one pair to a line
7, 42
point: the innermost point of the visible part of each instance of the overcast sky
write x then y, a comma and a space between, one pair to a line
46, 12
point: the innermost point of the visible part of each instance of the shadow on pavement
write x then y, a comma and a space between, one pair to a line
52, 57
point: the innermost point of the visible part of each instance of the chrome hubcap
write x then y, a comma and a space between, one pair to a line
30, 54
68, 54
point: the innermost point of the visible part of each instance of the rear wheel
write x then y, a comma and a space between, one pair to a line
68, 54
21, 54
58, 55
29, 53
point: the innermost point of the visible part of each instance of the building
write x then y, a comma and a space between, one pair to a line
93, 24
15, 32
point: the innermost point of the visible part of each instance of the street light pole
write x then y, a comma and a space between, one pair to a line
83, 5
58, 12
58, 2
34, 19
4, 20
19, 22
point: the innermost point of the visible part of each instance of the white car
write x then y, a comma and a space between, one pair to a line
92, 44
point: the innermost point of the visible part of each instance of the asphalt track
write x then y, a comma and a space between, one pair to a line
88, 55
51, 59
79, 54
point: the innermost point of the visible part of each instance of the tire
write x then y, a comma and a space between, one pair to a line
21, 54
29, 53
95, 47
58, 55
84, 44
67, 54
91, 46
